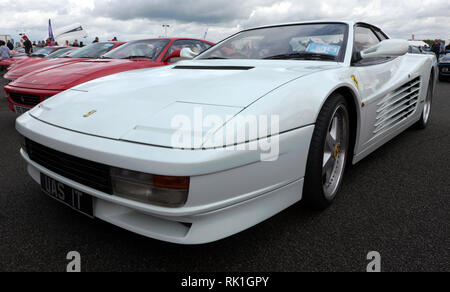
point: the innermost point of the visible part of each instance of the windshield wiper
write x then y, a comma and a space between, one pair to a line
302, 56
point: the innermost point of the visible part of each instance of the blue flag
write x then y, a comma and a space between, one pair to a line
50, 31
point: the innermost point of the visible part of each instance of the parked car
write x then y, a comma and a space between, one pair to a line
420, 50
89, 52
200, 150
31, 61
416, 50
444, 68
40, 53
29, 90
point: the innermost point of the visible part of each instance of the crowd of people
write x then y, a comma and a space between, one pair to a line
7, 49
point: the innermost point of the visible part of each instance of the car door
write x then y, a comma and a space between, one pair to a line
374, 81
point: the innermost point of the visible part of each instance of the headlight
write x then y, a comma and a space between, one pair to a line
168, 191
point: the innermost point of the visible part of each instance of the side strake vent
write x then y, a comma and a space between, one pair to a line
397, 106
214, 67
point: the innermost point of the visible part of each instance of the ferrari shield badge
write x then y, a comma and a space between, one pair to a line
355, 80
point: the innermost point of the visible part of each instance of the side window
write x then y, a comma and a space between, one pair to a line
364, 38
381, 35
194, 45
202, 46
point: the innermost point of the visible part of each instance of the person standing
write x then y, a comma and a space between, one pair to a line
4, 51
75, 43
442, 47
28, 45
436, 48
50, 42
10, 45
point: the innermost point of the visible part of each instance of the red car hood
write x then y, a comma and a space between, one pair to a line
29, 61
37, 64
13, 60
69, 75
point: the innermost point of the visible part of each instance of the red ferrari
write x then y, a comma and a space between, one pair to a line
40, 53
89, 52
29, 90
31, 61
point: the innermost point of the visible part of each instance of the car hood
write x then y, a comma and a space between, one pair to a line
35, 65
66, 76
149, 106
30, 61
13, 60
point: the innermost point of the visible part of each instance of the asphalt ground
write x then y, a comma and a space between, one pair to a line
395, 202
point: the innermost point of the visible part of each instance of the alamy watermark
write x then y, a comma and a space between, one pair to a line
237, 133
374, 265
74, 265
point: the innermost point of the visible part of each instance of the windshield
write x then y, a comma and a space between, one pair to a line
92, 51
306, 41
43, 52
149, 49
59, 53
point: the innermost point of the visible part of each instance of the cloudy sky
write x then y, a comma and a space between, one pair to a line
134, 19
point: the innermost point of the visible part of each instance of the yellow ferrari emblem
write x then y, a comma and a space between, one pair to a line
89, 113
356, 81
336, 152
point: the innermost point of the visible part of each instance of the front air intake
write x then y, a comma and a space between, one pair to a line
25, 99
85, 172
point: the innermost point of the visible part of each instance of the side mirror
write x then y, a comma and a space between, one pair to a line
386, 48
174, 54
188, 54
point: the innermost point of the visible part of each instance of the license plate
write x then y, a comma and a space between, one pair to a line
20, 109
75, 199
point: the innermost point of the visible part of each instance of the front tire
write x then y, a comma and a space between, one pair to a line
328, 154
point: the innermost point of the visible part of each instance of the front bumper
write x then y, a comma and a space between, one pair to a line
230, 191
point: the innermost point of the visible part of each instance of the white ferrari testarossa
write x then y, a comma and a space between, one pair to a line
205, 148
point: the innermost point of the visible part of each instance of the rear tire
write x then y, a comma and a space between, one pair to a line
426, 113
328, 154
